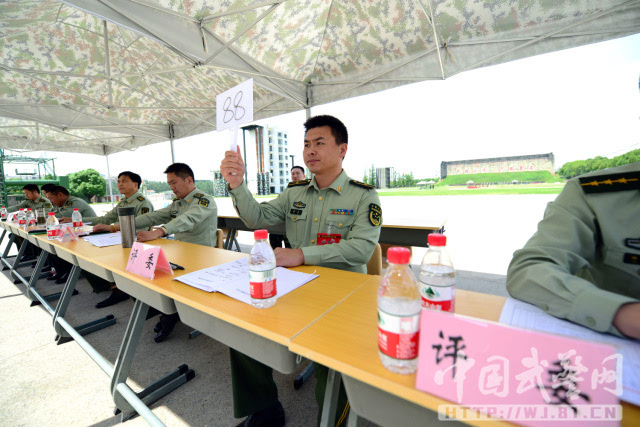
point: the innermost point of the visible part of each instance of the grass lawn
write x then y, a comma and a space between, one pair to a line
464, 191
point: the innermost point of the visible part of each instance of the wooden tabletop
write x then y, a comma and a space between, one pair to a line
292, 313
346, 340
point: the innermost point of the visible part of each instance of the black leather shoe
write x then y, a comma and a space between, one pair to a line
54, 276
158, 327
46, 269
168, 322
62, 279
113, 299
270, 417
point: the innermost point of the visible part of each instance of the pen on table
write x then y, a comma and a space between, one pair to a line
176, 266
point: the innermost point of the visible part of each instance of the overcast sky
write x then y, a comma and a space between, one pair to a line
577, 103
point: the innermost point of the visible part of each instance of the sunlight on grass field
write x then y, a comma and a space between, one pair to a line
555, 188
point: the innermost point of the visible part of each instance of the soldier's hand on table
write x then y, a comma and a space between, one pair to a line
627, 320
232, 164
64, 219
145, 236
288, 257
102, 227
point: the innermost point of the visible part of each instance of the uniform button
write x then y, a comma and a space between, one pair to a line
339, 188
545, 307
591, 321
320, 198
315, 219
295, 217
340, 225
313, 241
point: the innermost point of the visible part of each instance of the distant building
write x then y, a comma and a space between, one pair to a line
269, 170
219, 185
384, 177
534, 162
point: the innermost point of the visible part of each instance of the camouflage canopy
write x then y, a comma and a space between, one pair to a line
105, 76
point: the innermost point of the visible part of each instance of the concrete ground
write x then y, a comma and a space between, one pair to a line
48, 384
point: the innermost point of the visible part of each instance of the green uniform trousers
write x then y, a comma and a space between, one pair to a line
255, 390
97, 283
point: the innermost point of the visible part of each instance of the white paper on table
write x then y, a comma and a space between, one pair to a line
522, 314
232, 279
103, 240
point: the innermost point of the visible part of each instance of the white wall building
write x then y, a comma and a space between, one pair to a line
267, 151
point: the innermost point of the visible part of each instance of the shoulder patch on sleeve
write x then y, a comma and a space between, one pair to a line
144, 211
48, 205
68, 204
141, 198
610, 183
362, 184
375, 214
198, 195
204, 202
298, 183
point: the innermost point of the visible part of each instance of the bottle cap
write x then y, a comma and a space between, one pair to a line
397, 255
28, 209
51, 213
260, 234
436, 239
75, 209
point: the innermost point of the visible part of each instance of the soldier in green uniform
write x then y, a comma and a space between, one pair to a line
192, 217
45, 189
330, 203
33, 199
66, 204
128, 185
583, 263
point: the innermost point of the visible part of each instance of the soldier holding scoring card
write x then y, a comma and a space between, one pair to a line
317, 212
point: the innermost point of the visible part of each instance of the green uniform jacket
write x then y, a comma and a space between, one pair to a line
75, 202
193, 219
41, 202
577, 266
141, 204
307, 211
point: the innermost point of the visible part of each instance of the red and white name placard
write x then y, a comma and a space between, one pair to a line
145, 259
529, 377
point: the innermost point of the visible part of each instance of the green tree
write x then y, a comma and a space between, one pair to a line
87, 183
372, 176
365, 179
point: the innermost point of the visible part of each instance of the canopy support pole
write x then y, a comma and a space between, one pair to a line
171, 136
106, 156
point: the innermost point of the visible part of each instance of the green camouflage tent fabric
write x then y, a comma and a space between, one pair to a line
111, 75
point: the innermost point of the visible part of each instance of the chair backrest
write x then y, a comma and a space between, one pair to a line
374, 266
219, 239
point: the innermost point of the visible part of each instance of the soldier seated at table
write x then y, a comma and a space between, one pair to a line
129, 186
191, 217
330, 202
583, 263
66, 203
33, 200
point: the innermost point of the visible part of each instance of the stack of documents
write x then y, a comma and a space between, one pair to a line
232, 279
102, 240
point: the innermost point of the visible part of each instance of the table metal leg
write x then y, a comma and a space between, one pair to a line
16, 263
228, 243
127, 401
5, 254
331, 398
354, 419
304, 375
61, 309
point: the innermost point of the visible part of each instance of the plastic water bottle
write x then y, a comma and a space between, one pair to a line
52, 230
262, 272
3, 213
437, 276
30, 218
398, 314
76, 218
22, 218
